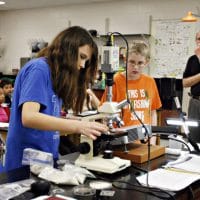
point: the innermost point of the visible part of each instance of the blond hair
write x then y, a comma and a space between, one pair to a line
140, 47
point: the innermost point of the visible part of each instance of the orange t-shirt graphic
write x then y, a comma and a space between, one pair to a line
143, 95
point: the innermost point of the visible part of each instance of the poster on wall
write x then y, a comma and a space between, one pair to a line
172, 42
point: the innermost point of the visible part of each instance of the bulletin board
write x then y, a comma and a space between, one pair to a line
172, 42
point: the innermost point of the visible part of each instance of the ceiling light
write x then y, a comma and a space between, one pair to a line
191, 17
2, 2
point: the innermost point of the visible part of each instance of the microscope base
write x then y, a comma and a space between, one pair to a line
100, 164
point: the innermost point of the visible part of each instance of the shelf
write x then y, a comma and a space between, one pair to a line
128, 35
10, 76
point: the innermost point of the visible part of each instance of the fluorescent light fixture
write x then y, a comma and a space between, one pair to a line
181, 122
2, 2
191, 17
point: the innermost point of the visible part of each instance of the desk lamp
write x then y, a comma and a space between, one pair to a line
184, 123
191, 17
181, 122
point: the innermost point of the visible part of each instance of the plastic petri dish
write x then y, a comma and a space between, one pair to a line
83, 190
56, 191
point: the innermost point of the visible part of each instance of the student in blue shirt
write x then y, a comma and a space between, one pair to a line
58, 77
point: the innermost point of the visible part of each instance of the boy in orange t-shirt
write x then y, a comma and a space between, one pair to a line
142, 89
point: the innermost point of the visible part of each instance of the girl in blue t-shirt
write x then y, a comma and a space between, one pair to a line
59, 76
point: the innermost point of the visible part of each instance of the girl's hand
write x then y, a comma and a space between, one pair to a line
92, 129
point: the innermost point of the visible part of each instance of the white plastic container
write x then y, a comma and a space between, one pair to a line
175, 144
33, 156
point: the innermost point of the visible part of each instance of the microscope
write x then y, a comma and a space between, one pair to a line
91, 156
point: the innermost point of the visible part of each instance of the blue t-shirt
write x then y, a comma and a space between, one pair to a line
33, 84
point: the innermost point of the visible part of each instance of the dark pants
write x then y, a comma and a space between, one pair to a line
66, 146
194, 113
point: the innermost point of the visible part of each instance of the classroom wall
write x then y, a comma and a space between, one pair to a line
19, 28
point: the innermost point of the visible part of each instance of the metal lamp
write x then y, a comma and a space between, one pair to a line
191, 17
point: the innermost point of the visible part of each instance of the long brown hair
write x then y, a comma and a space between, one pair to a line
70, 83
